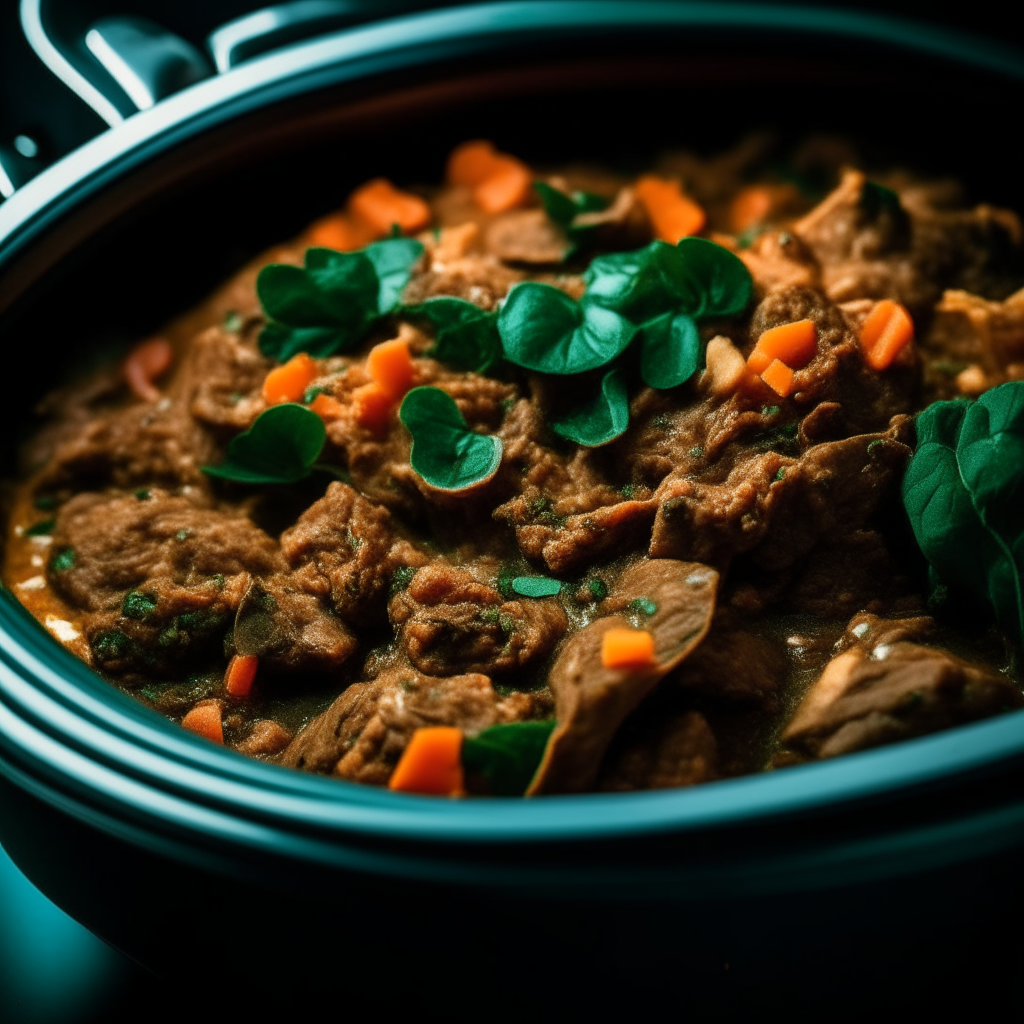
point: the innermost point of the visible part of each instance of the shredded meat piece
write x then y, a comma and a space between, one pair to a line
448, 618
592, 701
895, 691
361, 736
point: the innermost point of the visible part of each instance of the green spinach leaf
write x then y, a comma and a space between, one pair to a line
600, 418
542, 328
328, 305
719, 276
643, 284
670, 350
962, 493
281, 447
507, 756
467, 336
563, 209
445, 452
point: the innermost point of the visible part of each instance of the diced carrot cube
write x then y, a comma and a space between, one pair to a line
627, 649
240, 675
327, 408
509, 186
795, 344
672, 214
381, 206
340, 232
472, 163
288, 383
205, 720
886, 331
390, 365
750, 206
373, 407
431, 763
779, 377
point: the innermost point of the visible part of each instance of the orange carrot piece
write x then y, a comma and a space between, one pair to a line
627, 649
205, 721
672, 214
779, 377
327, 408
339, 232
373, 407
509, 186
431, 763
390, 365
749, 206
795, 344
381, 206
472, 163
288, 382
886, 331
145, 363
240, 675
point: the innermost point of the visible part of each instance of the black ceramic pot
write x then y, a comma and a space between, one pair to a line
808, 881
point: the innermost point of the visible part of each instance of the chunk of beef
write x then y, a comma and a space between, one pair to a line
779, 507
353, 545
220, 379
159, 578
592, 701
664, 753
121, 543
289, 629
362, 734
526, 236
265, 739
870, 246
141, 445
734, 664
449, 622
892, 692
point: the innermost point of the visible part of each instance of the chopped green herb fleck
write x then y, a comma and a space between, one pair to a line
108, 646
401, 578
771, 410
310, 393
697, 452
232, 322
63, 559
182, 535
781, 473
218, 581
536, 586
643, 605
628, 491
506, 574
142, 494
137, 605
598, 588
41, 529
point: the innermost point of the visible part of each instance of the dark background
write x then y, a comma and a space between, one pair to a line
50, 969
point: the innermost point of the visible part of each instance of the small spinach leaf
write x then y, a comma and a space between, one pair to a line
557, 205
467, 336
962, 491
445, 452
40, 529
670, 350
536, 586
721, 277
392, 260
562, 209
598, 419
542, 328
642, 284
507, 756
327, 305
281, 447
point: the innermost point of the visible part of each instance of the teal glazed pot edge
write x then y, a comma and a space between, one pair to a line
83, 747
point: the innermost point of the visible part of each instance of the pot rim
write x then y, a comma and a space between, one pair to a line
60, 721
